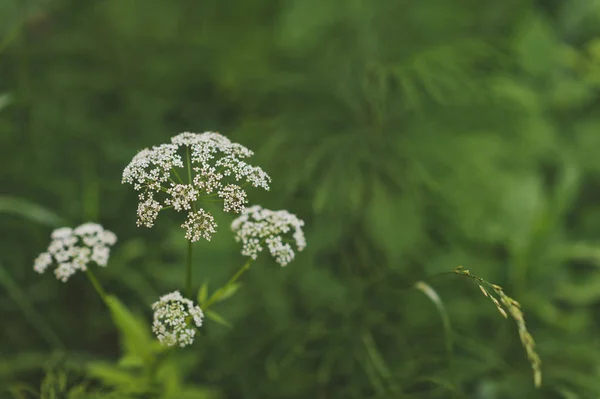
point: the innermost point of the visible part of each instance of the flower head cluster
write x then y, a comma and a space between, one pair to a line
74, 249
216, 168
175, 319
199, 224
257, 227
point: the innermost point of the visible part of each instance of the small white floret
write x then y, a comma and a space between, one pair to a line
176, 319
74, 249
257, 226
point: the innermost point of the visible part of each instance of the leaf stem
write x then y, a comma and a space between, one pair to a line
177, 175
96, 284
189, 166
22, 299
188, 274
439, 305
219, 293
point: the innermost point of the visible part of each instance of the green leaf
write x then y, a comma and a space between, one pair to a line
136, 339
131, 361
5, 100
195, 393
537, 46
394, 221
214, 316
23, 301
115, 376
203, 293
523, 203
30, 210
169, 377
580, 294
439, 305
78, 392
18, 391
566, 190
228, 292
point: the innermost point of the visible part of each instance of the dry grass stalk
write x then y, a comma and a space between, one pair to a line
514, 308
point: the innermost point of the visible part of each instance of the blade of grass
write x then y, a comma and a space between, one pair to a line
29, 210
23, 302
372, 375
439, 305
378, 362
5, 100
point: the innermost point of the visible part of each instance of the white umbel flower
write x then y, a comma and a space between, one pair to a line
74, 249
176, 319
152, 167
200, 224
182, 196
148, 210
218, 169
234, 198
257, 226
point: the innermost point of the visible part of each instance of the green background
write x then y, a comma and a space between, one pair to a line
411, 136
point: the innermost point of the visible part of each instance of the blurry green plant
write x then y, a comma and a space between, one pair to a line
145, 367
411, 136
214, 166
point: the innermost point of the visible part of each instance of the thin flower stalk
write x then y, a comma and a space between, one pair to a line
221, 291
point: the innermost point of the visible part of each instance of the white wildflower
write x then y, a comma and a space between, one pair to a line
42, 262
64, 271
251, 248
152, 167
62, 233
74, 249
62, 255
147, 211
78, 264
88, 229
185, 138
182, 196
257, 177
176, 319
199, 224
207, 179
282, 252
234, 198
100, 255
217, 168
108, 237
256, 226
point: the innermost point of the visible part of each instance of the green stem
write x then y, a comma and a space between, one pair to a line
188, 274
219, 293
96, 284
439, 305
189, 166
22, 299
177, 175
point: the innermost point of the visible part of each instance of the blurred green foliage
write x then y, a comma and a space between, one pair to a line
412, 136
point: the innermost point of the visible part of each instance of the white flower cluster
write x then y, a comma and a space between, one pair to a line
73, 249
256, 227
199, 224
174, 320
218, 168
